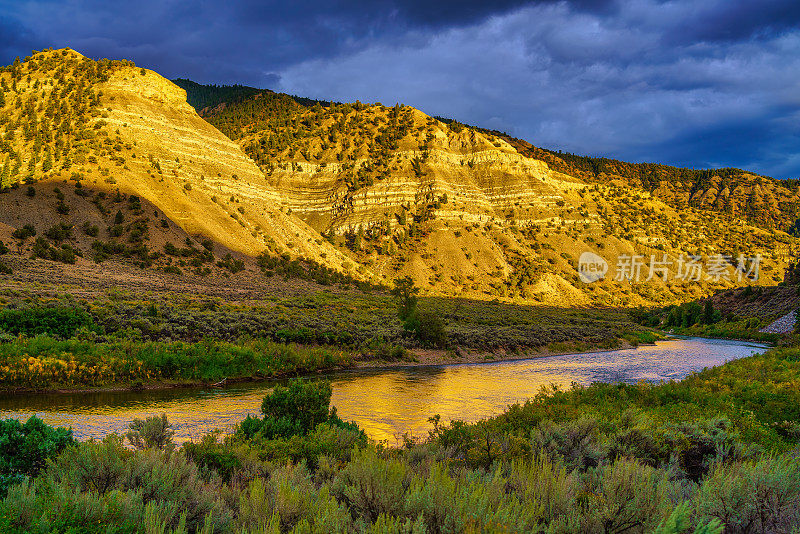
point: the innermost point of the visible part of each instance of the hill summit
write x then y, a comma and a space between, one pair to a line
108, 130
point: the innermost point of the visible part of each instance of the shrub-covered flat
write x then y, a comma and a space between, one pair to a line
123, 339
716, 452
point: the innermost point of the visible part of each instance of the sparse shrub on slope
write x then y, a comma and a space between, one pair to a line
4, 269
231, 264
64, 254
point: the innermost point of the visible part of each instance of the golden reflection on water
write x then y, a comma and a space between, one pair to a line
395, 402
386, 403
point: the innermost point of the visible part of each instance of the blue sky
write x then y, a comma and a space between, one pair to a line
698, 84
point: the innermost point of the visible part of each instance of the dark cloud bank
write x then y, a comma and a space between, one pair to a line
686, 83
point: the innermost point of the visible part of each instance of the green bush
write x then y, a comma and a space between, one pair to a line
231, 264
578, 443
152, 432
213, 456
372, 486
42, 249
302, 404
163, 479
333, 441
56, 321
288, 500
428, 326
292, 410
24, 233
59, 232
25, 448
630, 498
754, 496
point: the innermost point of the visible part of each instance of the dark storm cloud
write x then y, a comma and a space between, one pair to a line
13, 37
243, 38
731, 21
713, 83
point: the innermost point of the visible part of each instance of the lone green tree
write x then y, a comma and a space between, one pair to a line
708, 312
427, 325
406, 293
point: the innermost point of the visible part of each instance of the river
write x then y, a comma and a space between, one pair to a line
385, 403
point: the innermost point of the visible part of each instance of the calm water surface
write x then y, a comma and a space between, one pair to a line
384, 403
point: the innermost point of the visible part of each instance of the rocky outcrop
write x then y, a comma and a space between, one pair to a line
782, 325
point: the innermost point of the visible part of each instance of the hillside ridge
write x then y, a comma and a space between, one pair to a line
115, 128
398, 189
377, 192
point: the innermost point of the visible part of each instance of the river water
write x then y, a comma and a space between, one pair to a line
385, 403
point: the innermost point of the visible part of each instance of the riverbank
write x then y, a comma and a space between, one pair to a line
46, 365
43, 364
126, 340
767, 343
439, 357
714, 331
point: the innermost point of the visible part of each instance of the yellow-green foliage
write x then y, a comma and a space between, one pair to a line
44, 362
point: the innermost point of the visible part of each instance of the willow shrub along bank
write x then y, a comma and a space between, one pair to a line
47, 363
716, 451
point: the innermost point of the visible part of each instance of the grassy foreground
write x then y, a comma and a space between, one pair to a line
717, 451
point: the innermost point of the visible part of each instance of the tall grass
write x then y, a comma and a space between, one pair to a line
44, 362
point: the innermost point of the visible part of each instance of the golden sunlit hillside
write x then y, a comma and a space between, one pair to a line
375, 192
467, 211
108, 128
